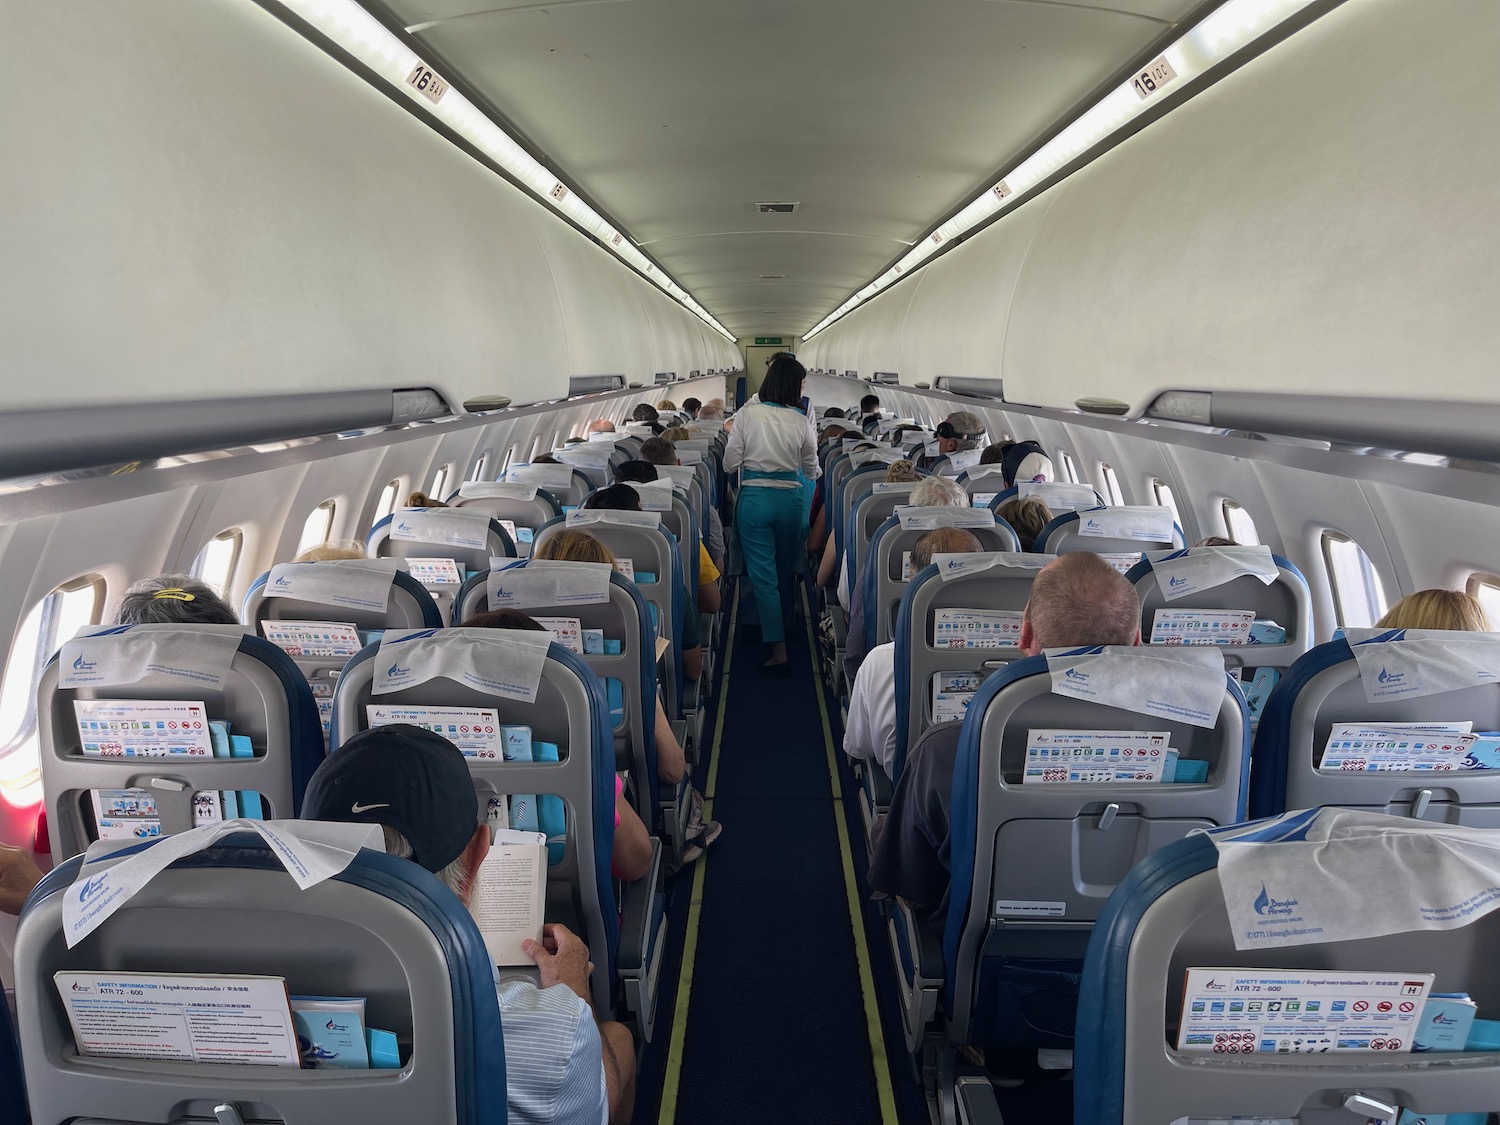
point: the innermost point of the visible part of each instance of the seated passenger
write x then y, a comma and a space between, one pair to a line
671, 762
623, 498
931, 492
336, 551
899, 472
173, 599
19, 876
869, 413
667, 405
661, 451
631, 857
600, 426
676, 434
568, 1065
545, 459
690, 407
422, 500
1076, 600
1437, 609
1028, 517
643, 472
712, 410
958, 432
1024, 462
870, 731
1216, 541
647, 413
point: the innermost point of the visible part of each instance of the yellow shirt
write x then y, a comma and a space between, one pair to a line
707, 572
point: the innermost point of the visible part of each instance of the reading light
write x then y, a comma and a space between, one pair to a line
352, 28
1224, 31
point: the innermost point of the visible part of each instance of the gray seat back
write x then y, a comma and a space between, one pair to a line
868, 512
519, 515
470, 559
1072, 531
566, 484
982, 481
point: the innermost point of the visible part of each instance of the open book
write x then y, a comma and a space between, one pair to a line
511, 895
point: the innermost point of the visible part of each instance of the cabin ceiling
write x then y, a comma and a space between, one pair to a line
878, 117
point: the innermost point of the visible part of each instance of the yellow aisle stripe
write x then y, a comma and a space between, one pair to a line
881, 1060
667, 1114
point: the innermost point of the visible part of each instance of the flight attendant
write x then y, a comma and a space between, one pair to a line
772, 442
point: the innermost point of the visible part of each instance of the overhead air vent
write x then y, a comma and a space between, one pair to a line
594, 384
777, 208
970, 388
851, 374
888, 377
666, 377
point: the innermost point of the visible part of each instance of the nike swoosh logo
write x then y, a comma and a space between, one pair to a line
358, 808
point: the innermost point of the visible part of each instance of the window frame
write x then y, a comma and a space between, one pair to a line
1112, 491
329, 506
481, 466
235, 535
1373, 591
440, 481
1229, 502
394, 488
1479, 581
1169, 501
1067, 466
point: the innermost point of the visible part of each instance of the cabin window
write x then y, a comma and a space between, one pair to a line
1358, 597
216, 563
536, 447
390, 496
510, 455
481, 468
1111, 484
1240, 527
1163, 493
1486, 588
53, 620
439, 489
319, 526
1067, 468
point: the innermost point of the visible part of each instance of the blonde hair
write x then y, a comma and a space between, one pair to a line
574, 546
666, 404
1437, 609
676, 433
335, 551
1027, 516
422, 500
902, 472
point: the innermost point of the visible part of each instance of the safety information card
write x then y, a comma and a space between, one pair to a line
976, 628
313, 638
434, 572
566, 631
1095, 756
1299, 1011
143, 728
1202, 626
1396, 747
951, 693
474, 730
207, 1019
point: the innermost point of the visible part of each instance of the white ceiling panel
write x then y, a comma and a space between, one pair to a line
878, 117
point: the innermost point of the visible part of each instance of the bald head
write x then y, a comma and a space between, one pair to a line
1080, 600
942, 541
601, 426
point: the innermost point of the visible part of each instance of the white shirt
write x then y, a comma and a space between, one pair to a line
772, 439
554, 1063
870, 733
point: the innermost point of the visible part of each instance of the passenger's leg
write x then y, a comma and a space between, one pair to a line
619, 1071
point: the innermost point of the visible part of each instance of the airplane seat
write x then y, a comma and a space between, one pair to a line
1015, 932
982, 483
1118, 530
273, 744
408, 605
383, 929
1059, 496
571, 713
1282, 607
1169, 915
564, 483
1340, 682
470, 537
520, 508
884, 579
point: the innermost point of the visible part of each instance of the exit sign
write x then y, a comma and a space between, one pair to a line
768, 341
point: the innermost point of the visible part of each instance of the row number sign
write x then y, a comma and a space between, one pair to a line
1153, 78
559, 192
1001, 190
424, 80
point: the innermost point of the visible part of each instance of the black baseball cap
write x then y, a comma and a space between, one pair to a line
411, 779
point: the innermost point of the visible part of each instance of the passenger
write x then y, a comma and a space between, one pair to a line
631, 857
1076, 600
690, 407
675, 434
1437, 609
660, 451
869, 413
772, 442
667, 405
173, 599
575, 441
956, 433
992, 453
903, 472
1028, 516
422, 500
601, 426
1023, 461
644, 412
336, 551
870, 731
19, 876
623, 498
817, 516
1216, 541
712, 410
671, 762
643, 472
545, 459
415, 784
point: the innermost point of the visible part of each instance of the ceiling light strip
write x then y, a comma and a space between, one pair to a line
1227, 29
352, 28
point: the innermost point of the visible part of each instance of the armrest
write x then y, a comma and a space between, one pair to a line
639, 908
922, 948
840, 622
975, 1101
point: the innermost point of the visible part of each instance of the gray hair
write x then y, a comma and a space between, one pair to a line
943, 541
711, 410
173, 599
456, 876
939, 492
1081, 600
966, 423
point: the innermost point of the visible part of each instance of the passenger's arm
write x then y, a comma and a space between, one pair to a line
828, 564
692, 663
631, 858
671, 762
859, 739
708, 598
19, 875
817, 534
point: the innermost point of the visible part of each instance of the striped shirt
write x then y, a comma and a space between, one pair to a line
554, 1064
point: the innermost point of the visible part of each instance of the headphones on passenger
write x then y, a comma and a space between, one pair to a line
946, 430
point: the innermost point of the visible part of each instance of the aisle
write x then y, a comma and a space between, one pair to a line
780, 1018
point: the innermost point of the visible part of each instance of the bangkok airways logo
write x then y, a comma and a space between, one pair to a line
398, 671
954, 564
1441, 1020
1391, 679
1075, 674
281, 582
90, 888
1268, 907
83, 665
332, 1025
1175, 582
1093, 525
402, 525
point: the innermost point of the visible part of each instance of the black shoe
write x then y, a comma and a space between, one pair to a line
782, 671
